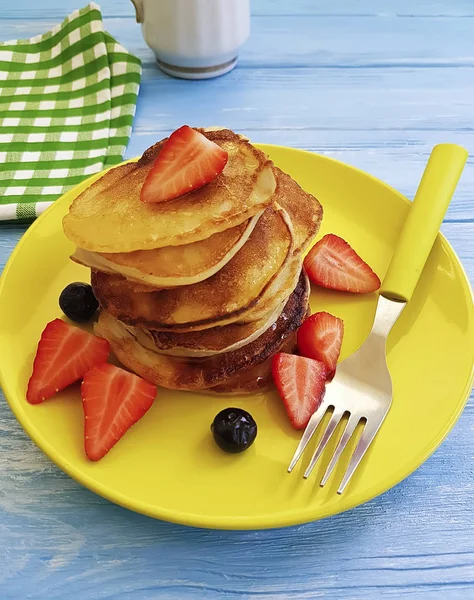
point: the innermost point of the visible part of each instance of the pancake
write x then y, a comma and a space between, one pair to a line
280, 288
109, 216
173, 266
305, 213
219, 300
304, 209
202, 373
255, 380
207, 342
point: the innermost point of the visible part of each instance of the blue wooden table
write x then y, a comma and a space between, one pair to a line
375, 83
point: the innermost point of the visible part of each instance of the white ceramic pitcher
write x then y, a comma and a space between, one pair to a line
194, 39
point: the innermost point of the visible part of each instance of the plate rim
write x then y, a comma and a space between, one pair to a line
268, 521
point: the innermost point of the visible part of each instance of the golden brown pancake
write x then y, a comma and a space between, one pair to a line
276, 293
219, 300
305, 211
255, 380
109, 216
202, 373
174, 265
206, 342
258, 378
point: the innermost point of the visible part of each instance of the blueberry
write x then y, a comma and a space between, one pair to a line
234, 430
77, 301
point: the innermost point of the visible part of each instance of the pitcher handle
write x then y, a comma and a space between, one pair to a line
138, 10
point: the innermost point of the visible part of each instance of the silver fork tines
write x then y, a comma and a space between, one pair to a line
361, 389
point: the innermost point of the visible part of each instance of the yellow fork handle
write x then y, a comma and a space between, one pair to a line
424, 219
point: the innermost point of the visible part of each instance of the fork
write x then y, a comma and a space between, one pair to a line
362, 387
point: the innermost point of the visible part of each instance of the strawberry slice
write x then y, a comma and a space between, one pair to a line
320, 338
63, 356
300, 382
187, 161
333, 264
113, 400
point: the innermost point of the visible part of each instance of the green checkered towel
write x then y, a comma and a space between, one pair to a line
67, 101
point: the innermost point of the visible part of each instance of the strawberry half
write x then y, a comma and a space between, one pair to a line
333, 264
113, 400
320, 338
187, 161
300, 382
65, 353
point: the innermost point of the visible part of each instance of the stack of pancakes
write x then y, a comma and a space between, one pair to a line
198, 293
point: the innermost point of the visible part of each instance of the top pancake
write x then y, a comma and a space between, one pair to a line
174, 266
191, 263
109, 216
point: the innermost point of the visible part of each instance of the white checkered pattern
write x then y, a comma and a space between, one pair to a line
62, 118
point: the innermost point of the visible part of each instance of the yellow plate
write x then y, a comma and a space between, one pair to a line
168, 466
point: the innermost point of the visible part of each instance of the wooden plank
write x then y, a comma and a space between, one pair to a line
357, 97
64, 541
318, 41
402, 8
341, 41
321, 100
374, 8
